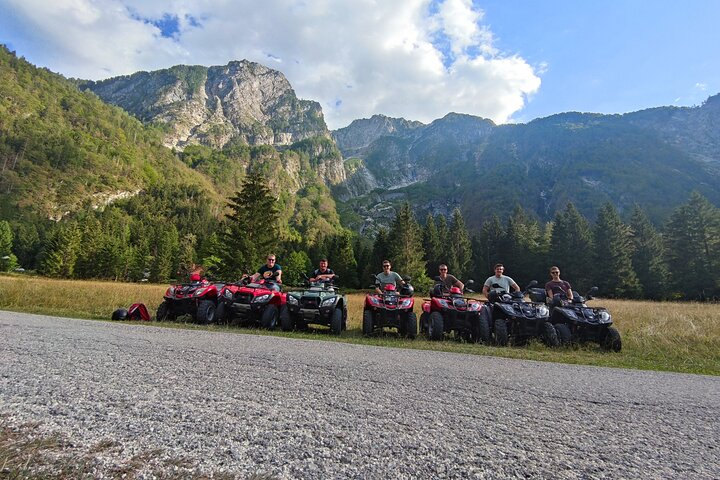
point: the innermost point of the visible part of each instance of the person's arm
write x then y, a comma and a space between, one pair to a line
459, 284
486, 289
514, 285
279, 275
399, 278
569, 292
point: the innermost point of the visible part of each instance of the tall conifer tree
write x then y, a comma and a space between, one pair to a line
405, 247
649, 256
571, 247
614, 273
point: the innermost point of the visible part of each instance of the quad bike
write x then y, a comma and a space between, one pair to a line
514, 320
447, 311
391, 308
254, 303
575, 322
198, 299
320, 303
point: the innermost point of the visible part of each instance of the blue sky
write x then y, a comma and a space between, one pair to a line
510, 61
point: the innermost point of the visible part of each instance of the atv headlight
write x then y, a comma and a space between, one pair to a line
604, 316
170, 292
543, 311
473, 306
406, 302
200, 292
292, 300
262, 298
328, 302
443, 303
228, 294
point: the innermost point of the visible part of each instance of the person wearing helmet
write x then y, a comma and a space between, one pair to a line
505, 283
448, 280
387, 277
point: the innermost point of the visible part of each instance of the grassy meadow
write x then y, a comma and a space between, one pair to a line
669, 336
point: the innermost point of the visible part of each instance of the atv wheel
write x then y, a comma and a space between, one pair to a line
436, 329
269, 317
411, 326
549, 335
612, 340
164, 313
564, 334
474, 329
484, 326
205, 312
367, 327
336, 322
286, 321
501, 333
424, 322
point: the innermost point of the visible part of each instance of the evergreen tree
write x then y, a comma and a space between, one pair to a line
405, 247
693, 249
27, 243
443, 255
571, 247
432, 246
60, 252
341, 257
526, 247
459, 246
251, 228
8, 260
489, 247
649, 256
614, 273
164, 252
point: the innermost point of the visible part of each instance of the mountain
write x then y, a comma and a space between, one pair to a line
242, 101
64, 152
653, 157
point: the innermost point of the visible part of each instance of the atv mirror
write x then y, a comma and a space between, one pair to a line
437, 278
532, 284
407, 279
470, 282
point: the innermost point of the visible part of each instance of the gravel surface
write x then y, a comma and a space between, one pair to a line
236, 405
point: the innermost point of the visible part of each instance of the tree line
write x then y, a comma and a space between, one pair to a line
165, 234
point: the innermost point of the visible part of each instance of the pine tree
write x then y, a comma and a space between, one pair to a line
693, 248
459, 246
571, 247
60, 252
526, 247
341, 257
8, 260
405, 247
489, 248
432, 246
251, 228
164, 252
649, 256
614, 273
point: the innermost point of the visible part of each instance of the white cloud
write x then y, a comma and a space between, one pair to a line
402, 58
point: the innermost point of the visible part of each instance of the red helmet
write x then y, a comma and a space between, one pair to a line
195, 277
455, 291
389, 287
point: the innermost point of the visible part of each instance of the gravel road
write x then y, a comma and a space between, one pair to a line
238, 405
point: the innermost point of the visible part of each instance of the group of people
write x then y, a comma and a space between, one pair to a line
499, 281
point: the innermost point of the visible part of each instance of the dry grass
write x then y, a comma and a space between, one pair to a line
680, 337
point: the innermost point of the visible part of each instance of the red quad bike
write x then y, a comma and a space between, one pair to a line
247, 302
447, 311
390, 309
197, 299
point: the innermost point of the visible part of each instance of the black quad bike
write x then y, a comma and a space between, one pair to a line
448, 311
575, 322
320, 304
391, 308
514, 320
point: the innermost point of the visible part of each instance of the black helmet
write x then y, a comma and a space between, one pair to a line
493, 296
120, 314
407, 290
436, 290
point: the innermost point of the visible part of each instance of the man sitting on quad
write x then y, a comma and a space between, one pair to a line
322, 273
387, 277
505, 283
448, 280
557, 286
269, 270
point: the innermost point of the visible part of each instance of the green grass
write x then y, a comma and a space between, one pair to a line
675, 337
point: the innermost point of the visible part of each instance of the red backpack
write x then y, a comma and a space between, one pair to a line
138, 311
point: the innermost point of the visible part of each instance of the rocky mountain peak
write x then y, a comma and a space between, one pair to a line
242, 101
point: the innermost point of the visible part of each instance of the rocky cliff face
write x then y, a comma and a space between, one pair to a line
241, 101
